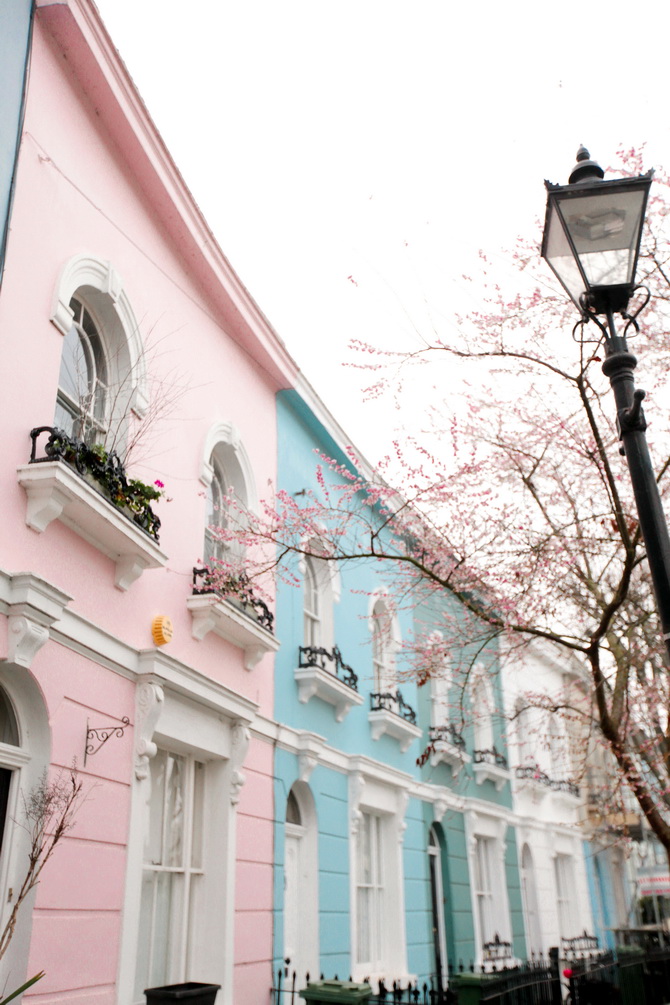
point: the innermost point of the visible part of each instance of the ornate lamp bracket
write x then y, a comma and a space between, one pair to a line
97, 737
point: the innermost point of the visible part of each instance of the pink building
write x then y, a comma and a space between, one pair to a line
123, 324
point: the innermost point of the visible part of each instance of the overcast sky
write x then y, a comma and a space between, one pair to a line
352, 157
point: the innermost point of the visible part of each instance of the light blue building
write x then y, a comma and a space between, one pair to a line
384, 867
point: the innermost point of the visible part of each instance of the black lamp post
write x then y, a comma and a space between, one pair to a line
592, 235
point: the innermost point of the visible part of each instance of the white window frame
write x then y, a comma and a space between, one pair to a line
202, 719
564, 879
384, 647
489, 895
435, 855
225, 459
531, 910
374, 799
100, 288
27, 762
186, 873
305, 955
370, 847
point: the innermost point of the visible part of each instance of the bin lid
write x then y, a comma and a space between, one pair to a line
342, 992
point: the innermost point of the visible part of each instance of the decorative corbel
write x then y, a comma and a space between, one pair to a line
34, 605
239, 746
309, 751
149, 703
356, 786
403, 800
439, 809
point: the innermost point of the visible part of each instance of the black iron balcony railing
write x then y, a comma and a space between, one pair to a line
534, 773
237, 591
395, 703
103, 470
446, 733
565, 785
497, 950
489, 757
329, 660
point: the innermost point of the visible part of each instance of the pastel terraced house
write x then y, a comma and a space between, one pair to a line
252, 791
124, 326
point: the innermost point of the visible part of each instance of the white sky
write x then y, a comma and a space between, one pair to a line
386, 140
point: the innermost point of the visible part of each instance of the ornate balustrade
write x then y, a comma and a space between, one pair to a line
329, 660
236, 590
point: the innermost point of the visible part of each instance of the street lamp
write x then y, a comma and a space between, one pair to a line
591, 240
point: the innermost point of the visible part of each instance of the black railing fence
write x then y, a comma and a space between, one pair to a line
392, 702
104, 471
237, 590
329, 660
535, 774
446, 733
491, 756
626, 976
288, 985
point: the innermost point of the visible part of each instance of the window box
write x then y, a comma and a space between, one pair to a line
391, 715
56, 491
491, 766
447, 746
221, 615
315, 679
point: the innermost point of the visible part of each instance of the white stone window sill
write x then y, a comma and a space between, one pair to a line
212, 613
56, 492
316, 682
449, 753
492, 773
382, 721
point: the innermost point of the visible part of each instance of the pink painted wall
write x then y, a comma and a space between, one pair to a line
253, 887
78, 191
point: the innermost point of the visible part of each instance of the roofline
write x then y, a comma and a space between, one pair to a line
77, 29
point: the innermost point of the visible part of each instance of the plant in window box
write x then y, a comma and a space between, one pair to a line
104, 470
234, 587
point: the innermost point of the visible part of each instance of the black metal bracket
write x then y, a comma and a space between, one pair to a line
101, 734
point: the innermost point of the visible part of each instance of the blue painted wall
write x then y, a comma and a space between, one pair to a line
299, 435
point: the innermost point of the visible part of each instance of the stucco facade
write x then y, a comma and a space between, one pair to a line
379, 851
111, 268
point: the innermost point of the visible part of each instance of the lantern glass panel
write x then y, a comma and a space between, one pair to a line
605, 229
560, 256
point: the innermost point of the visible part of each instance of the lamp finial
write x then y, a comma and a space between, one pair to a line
585, 169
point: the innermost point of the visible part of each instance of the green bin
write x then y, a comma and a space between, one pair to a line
189, 993
336, 993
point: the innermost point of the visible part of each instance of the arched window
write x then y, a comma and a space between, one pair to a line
24, 756
438, 902
320, 591
482, 711
82, 400
227, 475
215, 547
301, 898
312, 613
9, 736
383, 648
102, 379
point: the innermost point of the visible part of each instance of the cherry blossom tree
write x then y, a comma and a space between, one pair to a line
513, 513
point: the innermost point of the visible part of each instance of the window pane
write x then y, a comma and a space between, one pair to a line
153, 836
9, 729
5, 783
173, 849
198, 813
